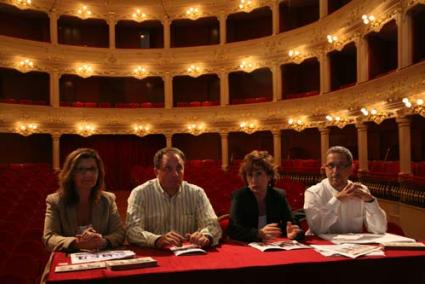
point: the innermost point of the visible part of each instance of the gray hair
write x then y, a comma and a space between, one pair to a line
341, 150
158, 155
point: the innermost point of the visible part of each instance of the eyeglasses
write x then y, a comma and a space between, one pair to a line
82, 170
341, 166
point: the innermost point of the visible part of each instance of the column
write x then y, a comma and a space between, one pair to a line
277, 83
323, 7
168, 84
404, 40
325, 74
169, 140
224, 150
167, 37
275, 15
324, 143
54, 88
223, 27
277, 147
56, 151
53, 26
362, 60
224, 88
362, 147
111, 24
405, 145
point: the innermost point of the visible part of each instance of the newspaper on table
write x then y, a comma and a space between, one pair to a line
119, 264
187, 249
348, 250
84, 257
279, 245
365, 238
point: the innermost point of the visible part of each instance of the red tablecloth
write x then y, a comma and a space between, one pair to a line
239, 263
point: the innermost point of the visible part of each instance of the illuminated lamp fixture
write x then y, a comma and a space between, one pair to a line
85, 70
138, 15
25, 65
26, 129
141, 130
416, 107
246, 5
196, 128
332, 38
139, 72
247, 65
374, 115
337, 121
297, 125
86, 129
193, 13
367, 19
84, 12
194, 70
23, 3
248, 126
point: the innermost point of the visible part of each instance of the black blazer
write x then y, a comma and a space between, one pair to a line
243, 224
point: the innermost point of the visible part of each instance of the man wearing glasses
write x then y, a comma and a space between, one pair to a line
337, 205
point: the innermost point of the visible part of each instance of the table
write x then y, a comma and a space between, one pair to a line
233, 262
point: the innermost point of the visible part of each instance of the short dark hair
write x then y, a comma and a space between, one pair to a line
343, 151
158, 155
67, 190
259, 160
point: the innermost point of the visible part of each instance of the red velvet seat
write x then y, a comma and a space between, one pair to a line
195, 104
90, 104
146, 104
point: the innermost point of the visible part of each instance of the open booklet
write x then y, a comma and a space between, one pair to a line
84, 257
348, 250
119, 264
187, 249
365, 238
278, 245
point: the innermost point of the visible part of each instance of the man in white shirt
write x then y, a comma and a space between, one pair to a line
337, 205
166, 211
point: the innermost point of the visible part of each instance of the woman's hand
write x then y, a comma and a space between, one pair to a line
269, 231
292, 230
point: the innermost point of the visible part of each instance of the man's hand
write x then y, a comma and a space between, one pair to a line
292, 230
169, 239
199, 239
354, 190
269, 231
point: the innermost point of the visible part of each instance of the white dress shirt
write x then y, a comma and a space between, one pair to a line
328, 215
152, 212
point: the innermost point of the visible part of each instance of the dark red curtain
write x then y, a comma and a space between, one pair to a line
120, 154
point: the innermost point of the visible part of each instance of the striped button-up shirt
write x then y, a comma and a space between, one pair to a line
152, 212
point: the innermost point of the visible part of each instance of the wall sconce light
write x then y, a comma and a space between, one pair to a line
26, 129
332, 38
23, 3
367, 19
193, 13
141, 130
248, 126
246, 5
85, 129
196, 128
84, 12
85, 70
297, 125
337, 121
416, 107
374, 115
25, 65
247, 65
138, 15
295, 55
139, 72
194, 70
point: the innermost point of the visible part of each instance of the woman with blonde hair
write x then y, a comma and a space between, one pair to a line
81, 215
259, 211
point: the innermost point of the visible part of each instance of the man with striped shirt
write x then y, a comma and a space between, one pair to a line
166, 211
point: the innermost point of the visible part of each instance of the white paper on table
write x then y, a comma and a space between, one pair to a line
349, 250
365, 238
83, 257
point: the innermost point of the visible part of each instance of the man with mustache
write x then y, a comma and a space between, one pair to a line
337, 205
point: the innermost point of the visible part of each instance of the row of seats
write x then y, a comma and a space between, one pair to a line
198, 103
112, 105
23, 101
